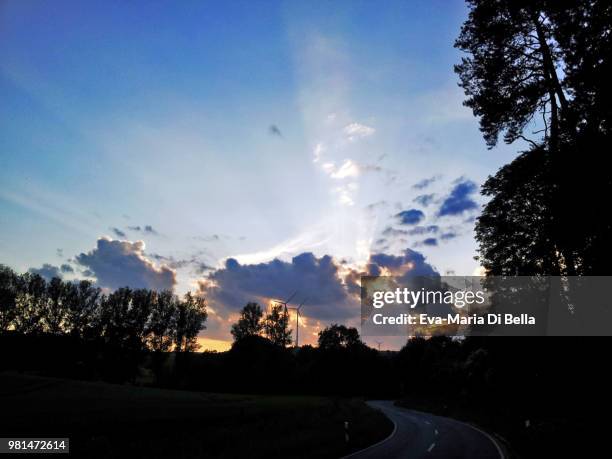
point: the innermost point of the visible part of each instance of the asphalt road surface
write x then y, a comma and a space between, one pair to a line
423, 435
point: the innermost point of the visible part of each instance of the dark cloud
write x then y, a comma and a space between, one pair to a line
419, 230
410, 217
147, 229
426, 182
66, 268
448, 236
459, 200
59, 253
393, 232
119, 263
275, 131
430, 241
316, 278
118, 232
201, 268
425, 199
46, 271
194, 261
410, 261
333, 293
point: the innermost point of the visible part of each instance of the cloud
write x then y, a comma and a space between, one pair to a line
417, 230
194, 261
147, 229
318, 151
410, 217
123, 263
448, 236
425, 199
355, 131
459, 200
275, 131
390, 231
410, 262
331, 287
319, 279
376, 205
426, 182
348, 169
118, 232
66, 268
46, 271
345, 193
430, 241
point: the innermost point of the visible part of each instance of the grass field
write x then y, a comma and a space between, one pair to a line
105, 420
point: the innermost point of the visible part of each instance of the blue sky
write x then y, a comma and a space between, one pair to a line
249, 131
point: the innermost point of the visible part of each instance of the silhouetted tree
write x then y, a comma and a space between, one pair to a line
9, 285
137, 317
249, 323
339, 336
161, 327
54, 311
511, 72
553, 60
276, 326
31, 301
82, 304
190, 318
515, 227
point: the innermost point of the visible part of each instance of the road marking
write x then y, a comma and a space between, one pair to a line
428, 423
432, 446
436, 431
499, 450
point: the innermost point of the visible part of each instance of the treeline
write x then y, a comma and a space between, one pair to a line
78, 318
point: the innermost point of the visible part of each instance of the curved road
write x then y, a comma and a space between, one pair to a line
423, 435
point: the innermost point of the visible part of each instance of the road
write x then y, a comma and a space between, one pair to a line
423, 435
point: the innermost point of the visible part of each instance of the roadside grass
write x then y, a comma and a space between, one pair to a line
105, 421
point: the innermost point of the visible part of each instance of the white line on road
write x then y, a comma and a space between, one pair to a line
428, 423
436, 431
432, 446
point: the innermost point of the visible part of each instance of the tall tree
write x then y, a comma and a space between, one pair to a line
161, 324
54, 312
82, 305
545, 59
339, 336
9, 283
249, 323
276, 326
511, 73
190, 317
30, 303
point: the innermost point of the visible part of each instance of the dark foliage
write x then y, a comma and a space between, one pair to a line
548, 62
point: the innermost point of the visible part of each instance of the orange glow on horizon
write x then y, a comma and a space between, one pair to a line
210, 344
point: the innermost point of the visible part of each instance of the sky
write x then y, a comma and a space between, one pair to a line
241, 149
